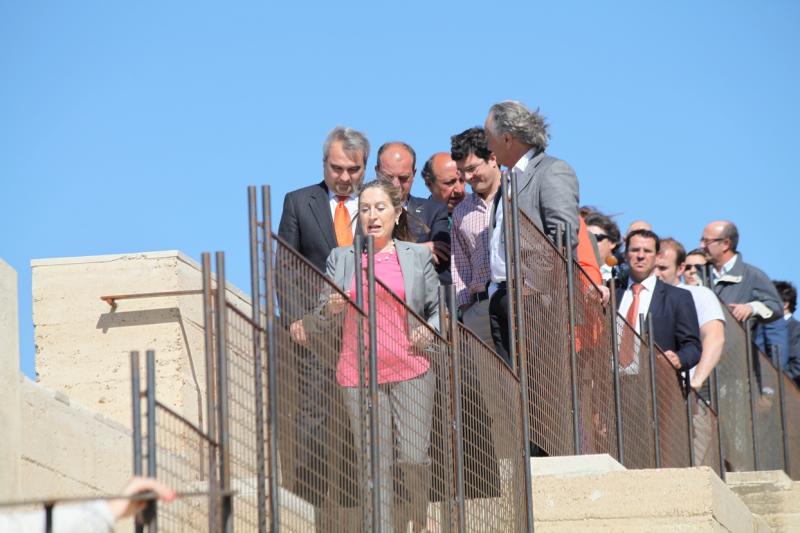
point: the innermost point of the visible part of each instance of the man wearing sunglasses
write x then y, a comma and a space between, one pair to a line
745, 289
694, 268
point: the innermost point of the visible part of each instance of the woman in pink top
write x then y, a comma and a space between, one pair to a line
406, 383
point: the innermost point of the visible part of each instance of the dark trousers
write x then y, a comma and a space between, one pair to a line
498, 320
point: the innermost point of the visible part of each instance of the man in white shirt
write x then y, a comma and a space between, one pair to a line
547, 190
711, 319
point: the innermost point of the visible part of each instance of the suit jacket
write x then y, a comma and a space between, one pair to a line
419, 277
428, 221
675, 324
745, 284
548, 193
307, 225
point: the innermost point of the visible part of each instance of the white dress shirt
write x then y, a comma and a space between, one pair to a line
645, 296
351, 204
497, 244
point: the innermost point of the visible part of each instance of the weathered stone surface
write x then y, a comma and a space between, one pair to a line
772, 495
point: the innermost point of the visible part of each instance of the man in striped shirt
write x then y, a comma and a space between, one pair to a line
470, 231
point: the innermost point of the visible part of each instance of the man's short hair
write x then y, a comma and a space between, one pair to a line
788, 293
469, 141
352, 141
595, 218
696, 251
647, 234
680, 251
515, 119
407, 146
730, 232
427, 171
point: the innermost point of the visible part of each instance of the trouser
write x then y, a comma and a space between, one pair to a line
476, 318
498, 320
409, 405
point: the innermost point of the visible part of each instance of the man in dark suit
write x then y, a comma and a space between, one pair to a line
547, 191
427, 219
675, 325
315, 220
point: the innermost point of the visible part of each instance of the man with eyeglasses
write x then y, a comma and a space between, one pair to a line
470, 231
745, 289
443, 179
694, 268
427, 218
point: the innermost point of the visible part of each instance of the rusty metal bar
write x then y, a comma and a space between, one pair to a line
573, 355
754, 388
776, 361
136, 400
615, 369
373, 386
211, 428
690, 419
358, 249
457, 406
151, 432
112, 299
222, 389
648, 326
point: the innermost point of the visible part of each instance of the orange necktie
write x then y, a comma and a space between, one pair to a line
626, 351
341, 223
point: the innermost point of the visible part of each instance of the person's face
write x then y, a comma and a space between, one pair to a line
712, 242
343, 171
691, 273
397, 167
666, 269
482, 175
641, 256
497, 144
604, 244
377, 215
448, 185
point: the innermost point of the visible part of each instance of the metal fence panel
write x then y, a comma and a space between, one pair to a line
769, 431
792, 405
492, 434
672, 416
705, 435
734, 410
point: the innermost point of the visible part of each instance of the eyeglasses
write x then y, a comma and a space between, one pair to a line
706, 242
472, 169
694, 266
600, 237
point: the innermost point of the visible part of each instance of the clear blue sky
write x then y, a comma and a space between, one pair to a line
137, 127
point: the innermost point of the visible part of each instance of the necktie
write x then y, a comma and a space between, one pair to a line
341, 223
626, 351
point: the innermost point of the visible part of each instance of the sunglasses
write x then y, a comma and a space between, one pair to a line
600, 237
694, 266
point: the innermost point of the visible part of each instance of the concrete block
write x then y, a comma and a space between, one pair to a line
771, 495
574, 465
10, 443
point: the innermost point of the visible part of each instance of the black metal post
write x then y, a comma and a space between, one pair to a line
222, 389
211, 410
715, 404
573, 354
48, 517
776, 359
258, 385
648, 326
458, 406
151, 433
754, 389
364, 478
136, 400
511, 265
615, 364
272, 358
258, 381
690, 399
373, 388
516, 302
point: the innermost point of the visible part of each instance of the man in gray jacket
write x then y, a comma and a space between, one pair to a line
745, 289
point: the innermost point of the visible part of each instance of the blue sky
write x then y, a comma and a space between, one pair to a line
137, 127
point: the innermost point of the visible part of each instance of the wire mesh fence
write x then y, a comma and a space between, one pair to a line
673, 422
768, 426
792, 429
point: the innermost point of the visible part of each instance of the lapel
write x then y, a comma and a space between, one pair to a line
657, 301
620, 293
405, 256
530, 171
321, 211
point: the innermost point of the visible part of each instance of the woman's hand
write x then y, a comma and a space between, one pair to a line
336, 304
420, 337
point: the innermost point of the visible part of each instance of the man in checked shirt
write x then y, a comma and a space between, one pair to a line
470, 231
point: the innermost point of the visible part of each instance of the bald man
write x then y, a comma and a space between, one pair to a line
443, 180
427, 219
639, 224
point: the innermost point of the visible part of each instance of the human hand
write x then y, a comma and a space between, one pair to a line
697, 381
298, 333
740, 312
335, 305
673, 358
605, 293
123, 507
439, 249
420, 337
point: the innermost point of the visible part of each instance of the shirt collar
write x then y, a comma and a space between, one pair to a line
335, 197
649, 282
727, 267
522, 164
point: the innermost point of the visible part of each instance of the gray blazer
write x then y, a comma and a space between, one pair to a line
420, 280
548, 193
